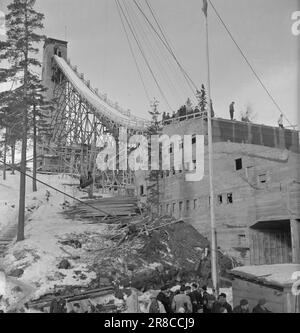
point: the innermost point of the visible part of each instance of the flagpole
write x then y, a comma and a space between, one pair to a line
214, 247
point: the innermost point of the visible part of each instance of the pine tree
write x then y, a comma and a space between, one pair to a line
22, 22
38, 120
189, 106
11, 122
202, 100
154, 175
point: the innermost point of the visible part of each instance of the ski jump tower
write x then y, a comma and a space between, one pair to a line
52, 47
81, 116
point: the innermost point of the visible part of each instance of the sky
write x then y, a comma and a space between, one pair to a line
262, 29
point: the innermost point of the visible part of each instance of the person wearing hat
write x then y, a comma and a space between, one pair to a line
243, 307
260, 307
164, 298
155, 306
205, 297
196, 298
182, 301
221, 303
208, 306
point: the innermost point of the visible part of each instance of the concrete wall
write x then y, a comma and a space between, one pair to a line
47, 70
276, 299
251, 200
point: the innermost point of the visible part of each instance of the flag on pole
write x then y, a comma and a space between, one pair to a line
205, 7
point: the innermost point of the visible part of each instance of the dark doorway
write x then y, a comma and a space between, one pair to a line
271, 242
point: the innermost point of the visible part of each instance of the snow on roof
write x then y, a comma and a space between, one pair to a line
279, 275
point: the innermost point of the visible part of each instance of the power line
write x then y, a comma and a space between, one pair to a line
57, 190
131, 27
145, 57
248, 63
190, 82
164, 35
154, 50
132, 53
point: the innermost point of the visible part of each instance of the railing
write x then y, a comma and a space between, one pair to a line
137, 120
177, 119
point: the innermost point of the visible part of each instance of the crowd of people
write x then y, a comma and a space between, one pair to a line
187, 299
193, 299
184, 112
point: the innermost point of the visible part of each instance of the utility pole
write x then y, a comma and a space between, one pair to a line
5, 154
214, 246
34, 182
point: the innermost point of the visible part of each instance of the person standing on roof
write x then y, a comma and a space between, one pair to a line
212, 114
231, 110
280, 121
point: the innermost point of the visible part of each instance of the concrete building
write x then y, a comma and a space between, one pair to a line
257, 191
277, 284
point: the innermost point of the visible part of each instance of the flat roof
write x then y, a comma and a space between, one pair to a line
277, 275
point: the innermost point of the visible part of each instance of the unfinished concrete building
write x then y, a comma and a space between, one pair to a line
256, 184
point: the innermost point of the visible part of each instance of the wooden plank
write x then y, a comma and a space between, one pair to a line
85, 295
261, 249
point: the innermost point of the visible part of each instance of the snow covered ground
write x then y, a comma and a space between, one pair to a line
42, 250
46, 227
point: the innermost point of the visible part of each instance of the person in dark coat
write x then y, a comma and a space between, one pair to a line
243, 307
208, 303
221, 303
196, 298
164, 298
212, 109
260, 307
231, 110
205, 296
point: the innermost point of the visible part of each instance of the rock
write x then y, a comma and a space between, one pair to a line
16, 273
104, 281
17, 289
76, 244
64, 264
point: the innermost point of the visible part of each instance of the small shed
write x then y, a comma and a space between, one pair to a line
278, 284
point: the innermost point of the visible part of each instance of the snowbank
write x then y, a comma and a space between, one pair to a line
41, 251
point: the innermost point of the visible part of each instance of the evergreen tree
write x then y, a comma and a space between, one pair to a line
189, 106
154, 175
38, 121
202, 99
11, 122
22, 23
